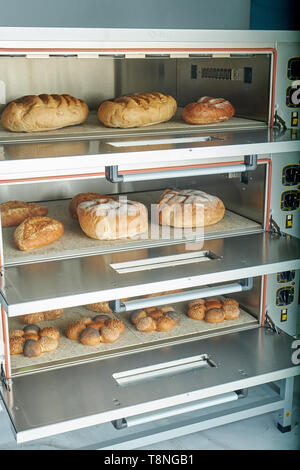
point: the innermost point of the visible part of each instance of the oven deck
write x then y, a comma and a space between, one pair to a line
94, 392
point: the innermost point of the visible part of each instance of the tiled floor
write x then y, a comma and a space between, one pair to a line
258, 433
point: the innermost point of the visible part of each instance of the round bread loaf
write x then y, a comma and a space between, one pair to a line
189, 208
229, 301
50, 332
48, 344
83, 197
32, 348
107, 219
109, 334
141, 109
197, 312
213, 304
208, 110
115, 323
196, 302
214, 315
35, 113
16, 345
231, 311
137, 315
74, 329
31, 329
90, 336
146, 325
164, 323
35, 232
14, 212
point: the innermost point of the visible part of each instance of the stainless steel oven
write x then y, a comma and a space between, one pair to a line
153, 387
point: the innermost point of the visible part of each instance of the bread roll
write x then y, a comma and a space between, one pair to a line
35, 113
189, 208
137, 110
14, 212
106, 219
214, 315
82, 197
208, 110
35, 232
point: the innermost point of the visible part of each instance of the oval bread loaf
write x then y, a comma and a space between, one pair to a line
34, 113
41, 316
141, 109
35, 232
14, 212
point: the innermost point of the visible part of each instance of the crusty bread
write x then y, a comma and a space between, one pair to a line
137, 110
35, 232
208, 110
41, 316
189, 208
82, 197
34, 113
110, 220
14, 212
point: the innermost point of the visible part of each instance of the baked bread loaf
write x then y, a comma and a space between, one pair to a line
196, 311
41, 316
14, 212
35, 232
141, 109
35, 113
208, 110
82, 197
189, 208
214, 315
107, 219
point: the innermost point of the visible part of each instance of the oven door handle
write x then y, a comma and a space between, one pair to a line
118, 307
112, 172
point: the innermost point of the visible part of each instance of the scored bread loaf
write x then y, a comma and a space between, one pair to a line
208, 110
35, 232
141, 109
34, 113
14, 212
107, 219
189, 208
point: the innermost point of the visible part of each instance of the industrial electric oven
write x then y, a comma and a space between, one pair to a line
155, 386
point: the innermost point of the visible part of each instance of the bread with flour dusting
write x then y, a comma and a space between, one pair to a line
108, 219
189, 208
208, 110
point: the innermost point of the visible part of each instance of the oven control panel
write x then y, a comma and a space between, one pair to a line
285, 296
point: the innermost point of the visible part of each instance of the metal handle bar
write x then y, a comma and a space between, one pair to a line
112, 172
118, 307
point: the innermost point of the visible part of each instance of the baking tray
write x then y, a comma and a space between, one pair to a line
75, 243
70, 351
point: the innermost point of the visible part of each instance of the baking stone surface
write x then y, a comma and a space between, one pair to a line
74, 242
131, 338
